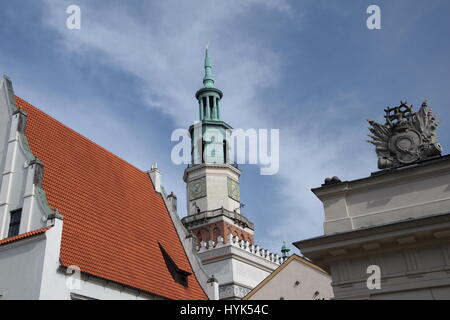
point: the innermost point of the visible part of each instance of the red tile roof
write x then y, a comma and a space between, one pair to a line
113, 218
23, 236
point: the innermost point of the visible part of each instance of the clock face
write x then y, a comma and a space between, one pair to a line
197, 189
233, 190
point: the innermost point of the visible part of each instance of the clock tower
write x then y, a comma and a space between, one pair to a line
212, 179
225, 243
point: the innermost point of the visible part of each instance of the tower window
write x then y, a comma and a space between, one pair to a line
217, 108
14, 224
211, 106
205, 114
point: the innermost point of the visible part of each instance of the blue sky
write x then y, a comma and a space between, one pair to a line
310, 68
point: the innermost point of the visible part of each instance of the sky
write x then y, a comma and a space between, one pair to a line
310, 68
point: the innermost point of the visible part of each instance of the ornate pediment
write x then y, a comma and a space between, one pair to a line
407, 137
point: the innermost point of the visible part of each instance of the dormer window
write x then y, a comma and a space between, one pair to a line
14, 224
179, 276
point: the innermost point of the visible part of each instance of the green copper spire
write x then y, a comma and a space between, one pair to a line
285, 250
208, 81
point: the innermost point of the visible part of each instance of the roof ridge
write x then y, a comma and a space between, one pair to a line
24, 235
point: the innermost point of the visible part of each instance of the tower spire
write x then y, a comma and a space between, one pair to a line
285, 250
208, 81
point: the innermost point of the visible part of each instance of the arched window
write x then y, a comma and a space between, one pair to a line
212, 107
203, 151
217, 108
206, 236
225, 151
205, 114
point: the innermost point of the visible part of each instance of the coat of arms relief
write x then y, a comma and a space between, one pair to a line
406, 137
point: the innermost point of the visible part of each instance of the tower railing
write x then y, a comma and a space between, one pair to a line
244, 245
191, 165
209, 214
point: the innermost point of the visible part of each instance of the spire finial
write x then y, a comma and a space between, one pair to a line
208, 81
285, 250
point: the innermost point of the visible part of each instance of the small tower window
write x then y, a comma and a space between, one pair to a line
217, 108
203, 151
205, 113
211, 106
225, 153
14, 224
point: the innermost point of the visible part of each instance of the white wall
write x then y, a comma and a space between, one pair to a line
21, 265
238, 269
30, 269
17, 188
403, 194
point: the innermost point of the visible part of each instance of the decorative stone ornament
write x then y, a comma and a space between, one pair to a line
407, 137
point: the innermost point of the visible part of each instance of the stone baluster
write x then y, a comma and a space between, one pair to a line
230, 238
263, 253
277, 258
203, 245
220, 242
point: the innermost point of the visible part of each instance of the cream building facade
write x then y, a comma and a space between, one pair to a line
396, 221
295, 279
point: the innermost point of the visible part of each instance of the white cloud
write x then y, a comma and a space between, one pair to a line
164, 51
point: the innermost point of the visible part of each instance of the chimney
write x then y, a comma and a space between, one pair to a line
172, 199
155, 175
214, 284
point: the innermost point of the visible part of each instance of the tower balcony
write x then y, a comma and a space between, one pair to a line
192, 165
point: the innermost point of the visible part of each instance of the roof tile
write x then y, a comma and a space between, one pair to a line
113, 218
24, 236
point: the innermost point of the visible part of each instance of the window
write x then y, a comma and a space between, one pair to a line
212, 108
225, 153
180, 276
14, 224
204, 108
